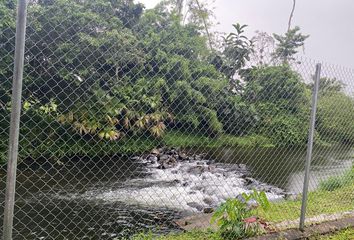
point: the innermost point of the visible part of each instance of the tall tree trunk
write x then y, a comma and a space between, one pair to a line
205, 25
291, 15
179, 7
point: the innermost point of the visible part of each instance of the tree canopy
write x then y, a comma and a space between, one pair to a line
109, 71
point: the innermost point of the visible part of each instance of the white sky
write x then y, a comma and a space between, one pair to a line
330, 23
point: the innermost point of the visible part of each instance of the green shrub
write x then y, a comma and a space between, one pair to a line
281, 103
234, 216
335, 117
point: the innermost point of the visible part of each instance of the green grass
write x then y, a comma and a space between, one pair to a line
319, 202
338, 181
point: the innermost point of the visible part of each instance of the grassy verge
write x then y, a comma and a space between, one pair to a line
319, 202
338, 181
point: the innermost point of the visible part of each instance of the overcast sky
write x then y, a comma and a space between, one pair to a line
330, 23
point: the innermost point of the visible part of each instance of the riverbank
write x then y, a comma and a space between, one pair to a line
320, 202
68, 147
90, 148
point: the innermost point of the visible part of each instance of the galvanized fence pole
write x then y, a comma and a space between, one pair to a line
310, 146
15, 118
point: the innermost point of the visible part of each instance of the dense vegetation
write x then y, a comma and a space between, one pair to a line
104, 77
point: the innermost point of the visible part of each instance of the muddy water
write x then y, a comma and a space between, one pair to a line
116, 197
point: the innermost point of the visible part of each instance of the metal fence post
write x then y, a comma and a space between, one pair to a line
15, 118
310, 146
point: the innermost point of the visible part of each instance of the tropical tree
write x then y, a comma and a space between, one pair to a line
281, 101
288, 44
237, 50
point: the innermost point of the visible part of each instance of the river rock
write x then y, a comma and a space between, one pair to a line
208, 201
209, 162
197, 188
185, 184
242, 167
196, 170
176, 181
182, 156
152, 158
291, 196
155, 151
252, 204
250, 181
164, 157
172, 152
208, 210
170, 162
240, 198
195, 205
199, 169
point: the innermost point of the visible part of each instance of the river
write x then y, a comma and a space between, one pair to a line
116, 197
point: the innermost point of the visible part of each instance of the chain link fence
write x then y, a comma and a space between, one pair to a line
131, 120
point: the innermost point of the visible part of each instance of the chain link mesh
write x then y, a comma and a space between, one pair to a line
130, 122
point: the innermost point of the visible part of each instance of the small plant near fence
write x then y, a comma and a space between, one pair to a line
235, 218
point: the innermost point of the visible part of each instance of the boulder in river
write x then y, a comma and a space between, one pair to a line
242, 167
168, 162
208, 210
199, 169
155, 151
164, 157
182, 156
195, 205
152, 158
209, 201
251, 182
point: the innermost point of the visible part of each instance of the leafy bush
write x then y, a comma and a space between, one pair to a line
234, 216
281, 102
236, 116
335, 117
